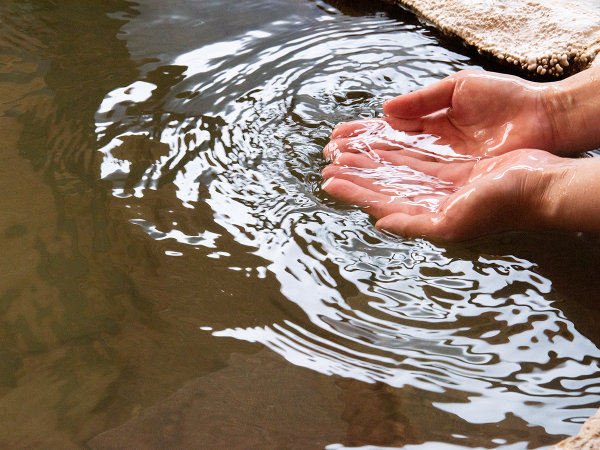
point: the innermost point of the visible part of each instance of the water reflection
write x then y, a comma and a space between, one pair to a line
244, 119
179, 203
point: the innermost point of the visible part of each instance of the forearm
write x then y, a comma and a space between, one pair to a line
573, 108
571, 200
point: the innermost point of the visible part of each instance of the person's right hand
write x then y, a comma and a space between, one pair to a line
476, 113
522, 189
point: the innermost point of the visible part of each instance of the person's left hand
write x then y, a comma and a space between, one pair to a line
471, 113
447, 200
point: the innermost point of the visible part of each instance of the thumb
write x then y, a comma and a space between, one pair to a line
423, 101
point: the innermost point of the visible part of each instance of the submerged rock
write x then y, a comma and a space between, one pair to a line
545, 38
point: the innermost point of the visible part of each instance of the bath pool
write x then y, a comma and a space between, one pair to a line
172, 275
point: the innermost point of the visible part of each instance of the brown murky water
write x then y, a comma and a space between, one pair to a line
173, 276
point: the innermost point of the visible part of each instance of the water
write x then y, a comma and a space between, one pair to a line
172, 272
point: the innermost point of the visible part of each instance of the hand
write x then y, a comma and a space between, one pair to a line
474, 112
451, 200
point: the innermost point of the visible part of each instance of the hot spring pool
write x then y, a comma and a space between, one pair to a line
172, 275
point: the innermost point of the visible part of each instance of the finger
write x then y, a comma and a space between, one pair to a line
401, 164
407, 192
352, 145
358, 127
371, 161
451, 172
420, 225
376, 126
359, 177
377, 204
332, 150
368, 178
351, 163
419, 162
366, 145
370, 201
403, 143
409, 178
389, 163
423, 101
403, 124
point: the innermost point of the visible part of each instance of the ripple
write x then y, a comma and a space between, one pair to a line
238, 123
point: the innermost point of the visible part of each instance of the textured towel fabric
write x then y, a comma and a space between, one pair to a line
588, 437
547, 37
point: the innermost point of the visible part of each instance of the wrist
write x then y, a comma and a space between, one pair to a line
570, 200
558, 101
572, 108
553, 191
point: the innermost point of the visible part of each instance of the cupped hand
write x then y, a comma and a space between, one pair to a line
446, 200
472, 112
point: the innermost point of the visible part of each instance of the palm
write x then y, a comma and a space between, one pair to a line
489, 115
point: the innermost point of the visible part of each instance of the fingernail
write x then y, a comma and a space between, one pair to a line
336, 154
331, 152
327, 183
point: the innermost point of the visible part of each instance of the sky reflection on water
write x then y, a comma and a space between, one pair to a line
245, 120
168, 238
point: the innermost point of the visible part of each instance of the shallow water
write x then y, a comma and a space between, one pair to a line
172, 272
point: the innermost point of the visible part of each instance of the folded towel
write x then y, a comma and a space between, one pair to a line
554, 37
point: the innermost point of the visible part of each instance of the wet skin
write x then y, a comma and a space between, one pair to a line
474, 154
477, 113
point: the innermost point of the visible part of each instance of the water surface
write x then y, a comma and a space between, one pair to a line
172, 272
